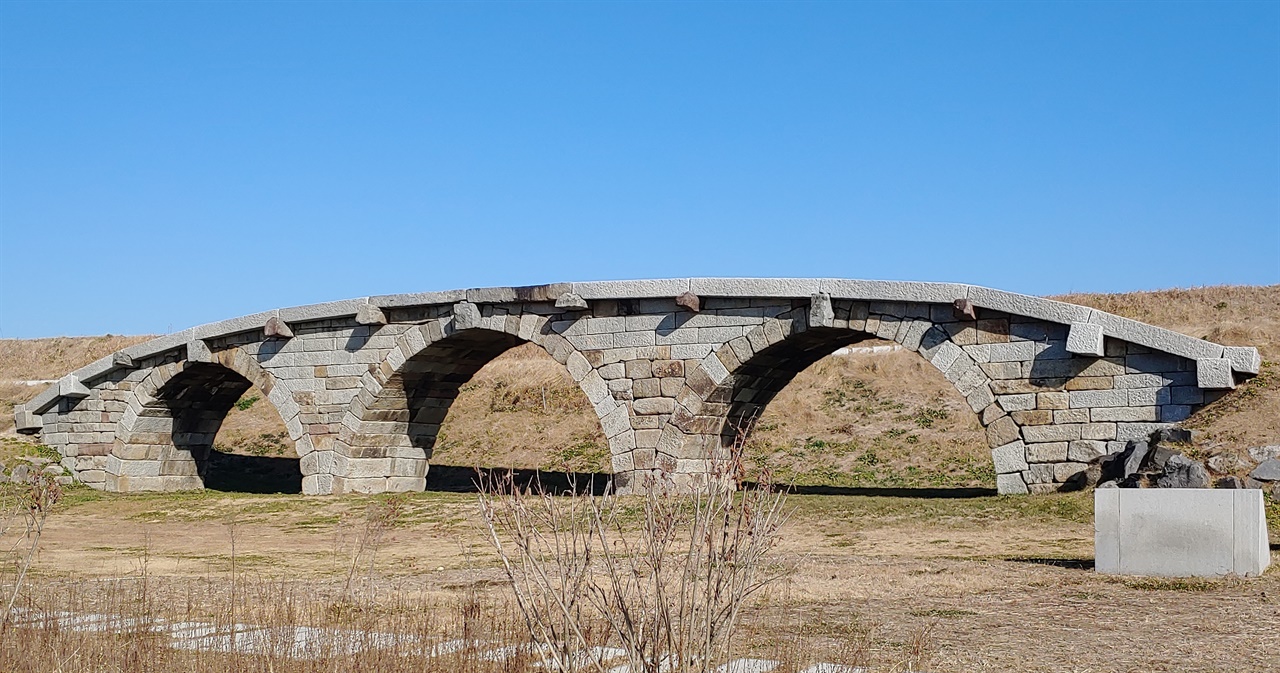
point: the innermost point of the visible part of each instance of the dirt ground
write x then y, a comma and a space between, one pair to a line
981, 583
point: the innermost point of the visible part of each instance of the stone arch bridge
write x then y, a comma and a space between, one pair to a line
674, 368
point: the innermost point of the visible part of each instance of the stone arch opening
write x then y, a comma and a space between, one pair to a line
168, 435
872, 418
521, 411
729, 390
755, 384
391, 432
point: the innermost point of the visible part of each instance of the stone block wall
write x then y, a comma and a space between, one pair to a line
674, 378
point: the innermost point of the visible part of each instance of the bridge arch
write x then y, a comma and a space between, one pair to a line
171, 417
727, 391
389, 430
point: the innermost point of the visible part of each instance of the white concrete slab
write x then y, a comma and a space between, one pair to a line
1180, 532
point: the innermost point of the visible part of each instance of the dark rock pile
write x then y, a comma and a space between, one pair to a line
1158, 462
1152, 463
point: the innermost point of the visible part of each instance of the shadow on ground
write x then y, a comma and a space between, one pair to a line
252, 474
892, 492
1071, 563
454, 479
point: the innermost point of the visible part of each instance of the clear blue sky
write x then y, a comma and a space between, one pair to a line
169, 164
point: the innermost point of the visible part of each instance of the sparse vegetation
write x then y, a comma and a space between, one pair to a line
891, 580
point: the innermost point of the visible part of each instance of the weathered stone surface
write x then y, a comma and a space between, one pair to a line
1010, 484
26, 422
1010, 458
572, 302
690, 301
1261, 453
1214, 373
372, 379
368, 314
1085, 339
277, 328
70, 386
821, 314
1267, 470
466, 315
1225, 462
1182, 472
1244, 359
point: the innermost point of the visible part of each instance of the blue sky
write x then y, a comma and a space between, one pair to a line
170, 164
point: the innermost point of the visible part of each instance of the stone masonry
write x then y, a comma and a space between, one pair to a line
675, 369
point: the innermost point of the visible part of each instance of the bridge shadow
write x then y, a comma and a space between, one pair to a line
940, 493
456, 479
231, 472
1069, 563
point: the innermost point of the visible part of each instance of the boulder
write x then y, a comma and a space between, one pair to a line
1152, 463
20, 472
1226, 463
1267, 470
1228, 482
1182, 472
1261, 453
1171, 436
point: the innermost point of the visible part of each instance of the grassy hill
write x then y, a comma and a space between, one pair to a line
886, 419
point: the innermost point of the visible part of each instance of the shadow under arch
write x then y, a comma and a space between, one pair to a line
389, 432
165, 440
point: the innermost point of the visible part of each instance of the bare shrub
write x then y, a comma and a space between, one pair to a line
24, 508
664, 575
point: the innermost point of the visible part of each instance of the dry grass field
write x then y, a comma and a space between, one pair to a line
892, 560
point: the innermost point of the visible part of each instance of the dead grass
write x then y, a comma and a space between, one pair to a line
964, 584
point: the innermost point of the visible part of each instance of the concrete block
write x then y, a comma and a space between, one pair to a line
1176, 532
1085, 339
1214, 374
